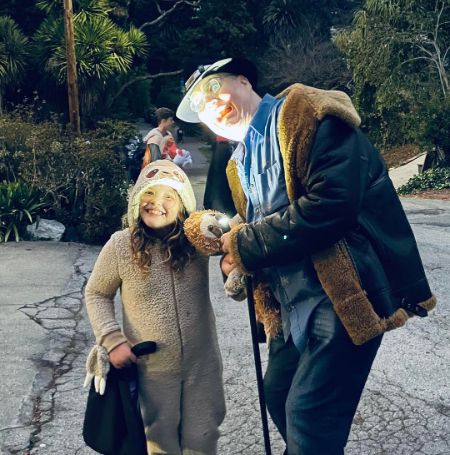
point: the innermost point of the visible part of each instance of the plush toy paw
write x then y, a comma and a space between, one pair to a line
97, 368
235, 286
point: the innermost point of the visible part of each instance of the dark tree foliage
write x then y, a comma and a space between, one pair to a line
399, 56
24, 12
184, 33
191, 36
298, 42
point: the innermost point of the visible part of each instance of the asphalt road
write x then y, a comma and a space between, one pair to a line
45, 336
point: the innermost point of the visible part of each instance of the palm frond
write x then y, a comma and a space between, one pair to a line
13, 51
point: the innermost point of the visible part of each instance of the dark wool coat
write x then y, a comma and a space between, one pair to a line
344, 212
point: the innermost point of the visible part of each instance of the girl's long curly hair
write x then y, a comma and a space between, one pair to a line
179, 250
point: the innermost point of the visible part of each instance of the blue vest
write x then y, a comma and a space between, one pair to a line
261, 174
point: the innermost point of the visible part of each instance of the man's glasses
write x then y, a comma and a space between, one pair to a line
208, 89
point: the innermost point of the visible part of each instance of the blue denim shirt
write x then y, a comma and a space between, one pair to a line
261, 173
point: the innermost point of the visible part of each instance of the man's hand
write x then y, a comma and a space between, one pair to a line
225, 241
121, 356
227, 264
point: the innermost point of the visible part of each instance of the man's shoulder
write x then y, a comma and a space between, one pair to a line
305, 100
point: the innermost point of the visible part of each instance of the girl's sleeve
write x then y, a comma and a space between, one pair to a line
99, 293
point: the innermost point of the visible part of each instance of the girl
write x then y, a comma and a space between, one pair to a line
165, 298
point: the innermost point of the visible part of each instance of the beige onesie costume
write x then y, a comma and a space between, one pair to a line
180, 385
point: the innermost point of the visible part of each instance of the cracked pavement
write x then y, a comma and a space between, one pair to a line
45, 334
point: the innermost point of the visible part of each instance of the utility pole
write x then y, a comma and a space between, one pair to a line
72, 87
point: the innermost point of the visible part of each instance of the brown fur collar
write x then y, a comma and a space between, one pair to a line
237, 193
299, 119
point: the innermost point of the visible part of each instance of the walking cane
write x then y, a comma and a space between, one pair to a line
257, 357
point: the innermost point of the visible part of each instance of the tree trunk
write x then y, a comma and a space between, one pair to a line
72, 88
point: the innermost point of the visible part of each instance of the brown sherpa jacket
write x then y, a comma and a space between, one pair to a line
343, 212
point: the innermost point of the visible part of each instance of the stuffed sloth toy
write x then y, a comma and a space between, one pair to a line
204, 229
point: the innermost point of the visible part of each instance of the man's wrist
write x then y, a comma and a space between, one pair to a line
234, 248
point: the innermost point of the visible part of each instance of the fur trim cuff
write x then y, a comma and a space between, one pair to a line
235, 248
341, 283
429, 304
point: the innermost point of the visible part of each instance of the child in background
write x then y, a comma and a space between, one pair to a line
179, 156
156, 138
165, 298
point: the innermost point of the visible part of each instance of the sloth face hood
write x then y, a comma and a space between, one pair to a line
160, 172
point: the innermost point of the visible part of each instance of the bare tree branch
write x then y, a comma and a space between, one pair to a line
141, 78
438, 19
445, 54
157, 6
166, 12
425, 50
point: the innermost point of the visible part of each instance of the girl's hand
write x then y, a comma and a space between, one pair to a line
227, 264
121, 356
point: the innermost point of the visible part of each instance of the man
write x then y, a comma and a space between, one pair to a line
325, 238
156, 138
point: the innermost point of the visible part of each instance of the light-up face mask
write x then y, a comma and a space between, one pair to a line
207, 90
218, 106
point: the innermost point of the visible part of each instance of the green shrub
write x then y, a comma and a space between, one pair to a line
83, 177
432, 179
20, 205
104, 190
436, 132
118, 132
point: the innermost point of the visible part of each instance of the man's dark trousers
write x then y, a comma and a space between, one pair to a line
312, 396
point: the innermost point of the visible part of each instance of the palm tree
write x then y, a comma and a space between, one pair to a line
13, 54
281, 15
295, 18
56, 7
103, 52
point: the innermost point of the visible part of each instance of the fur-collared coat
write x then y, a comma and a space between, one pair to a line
344, 213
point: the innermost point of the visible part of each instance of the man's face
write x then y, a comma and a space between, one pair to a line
225, 105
